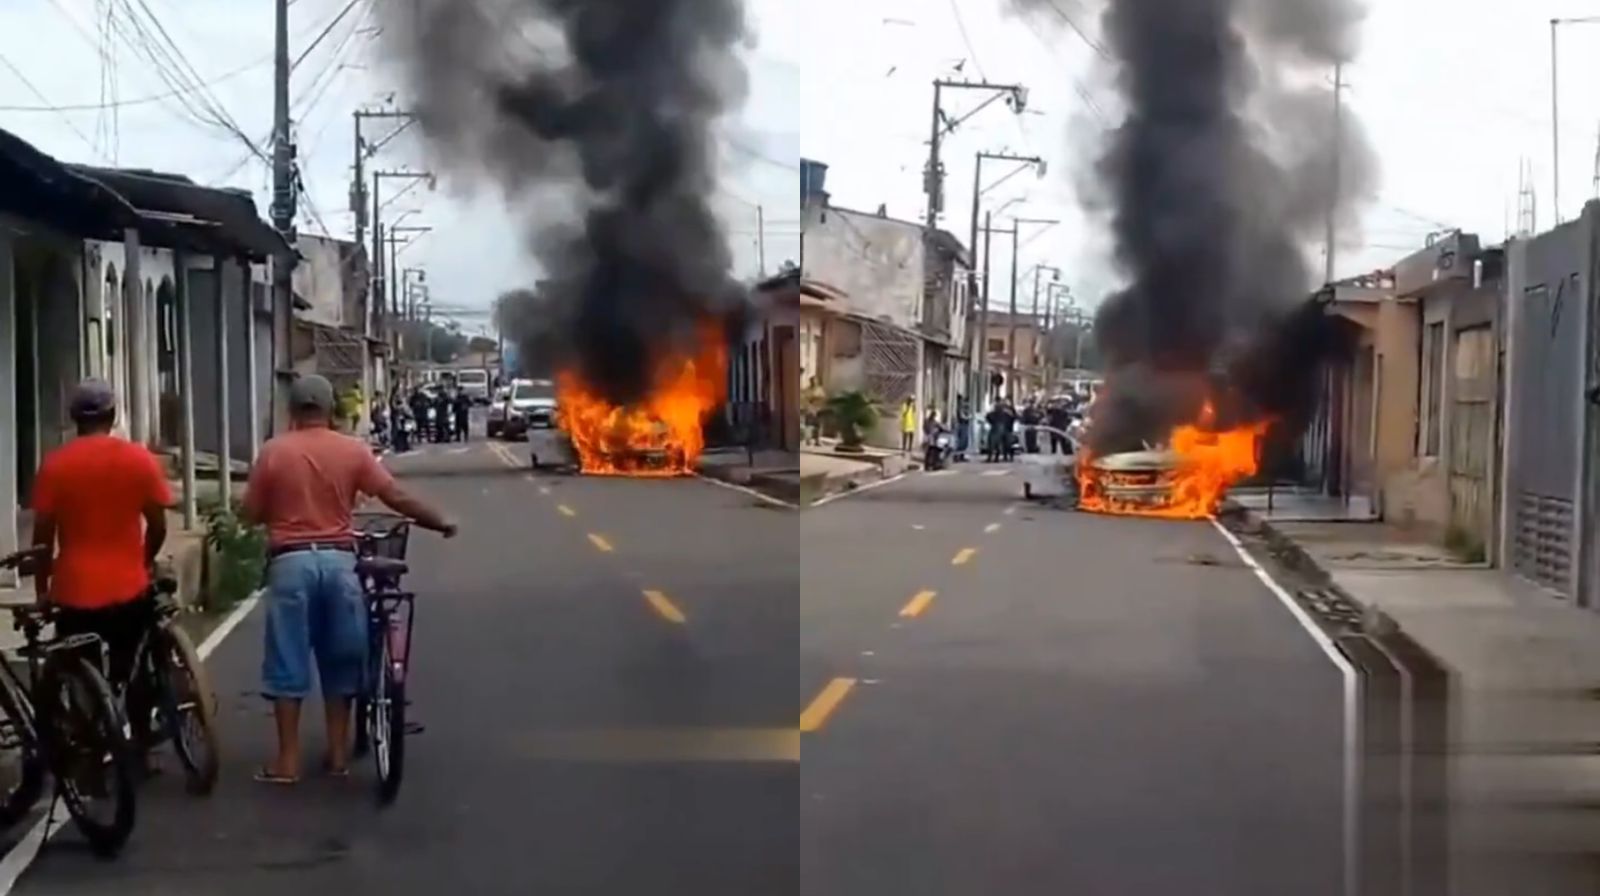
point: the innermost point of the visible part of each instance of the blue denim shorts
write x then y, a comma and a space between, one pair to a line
315, 609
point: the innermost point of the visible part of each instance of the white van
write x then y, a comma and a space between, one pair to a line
475, 383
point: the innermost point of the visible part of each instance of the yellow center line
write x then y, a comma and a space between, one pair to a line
917, 604
963, 556
664, 606
991, 528
823, 705
600, 542
566, 511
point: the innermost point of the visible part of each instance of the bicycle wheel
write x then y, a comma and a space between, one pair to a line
21, 760
188, 708
387, 713
89, 750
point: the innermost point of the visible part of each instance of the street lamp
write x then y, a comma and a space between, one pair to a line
1555, 108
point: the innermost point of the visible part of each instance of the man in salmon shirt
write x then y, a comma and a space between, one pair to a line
304, 488
100, 503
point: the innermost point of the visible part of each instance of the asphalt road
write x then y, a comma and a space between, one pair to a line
582, 736
1084, 705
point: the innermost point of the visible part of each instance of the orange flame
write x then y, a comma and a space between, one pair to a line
660, 436
1187, 482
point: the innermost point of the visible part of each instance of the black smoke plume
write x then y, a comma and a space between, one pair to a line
1219, 177
597, 120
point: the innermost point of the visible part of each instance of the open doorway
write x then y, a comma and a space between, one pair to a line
170, 410
25, 310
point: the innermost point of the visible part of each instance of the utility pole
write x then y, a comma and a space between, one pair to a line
1011, 343
382, 294
1016, 96
283, 202
1337, 173
1555, 124
1016, 250
761, 240
977, 201
981, 397
1555, 112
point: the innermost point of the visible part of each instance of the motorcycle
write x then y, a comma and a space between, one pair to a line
405, 430
937, 454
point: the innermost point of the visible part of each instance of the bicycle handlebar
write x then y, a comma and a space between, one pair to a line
23, 560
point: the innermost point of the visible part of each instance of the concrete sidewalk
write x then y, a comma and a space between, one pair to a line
1525, 707
776, 474
828, 471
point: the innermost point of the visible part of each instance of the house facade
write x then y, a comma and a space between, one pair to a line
898, 302
142, 279
1550, 515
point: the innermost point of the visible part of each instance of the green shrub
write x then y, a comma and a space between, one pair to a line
853, 413
236, 552
1466, 546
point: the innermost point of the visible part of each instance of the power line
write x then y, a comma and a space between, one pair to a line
961, 26
173, 68
1082, 34
138, 101
40, 94
326, 30
1078, 87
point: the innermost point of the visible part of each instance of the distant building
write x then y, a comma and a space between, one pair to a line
899, 302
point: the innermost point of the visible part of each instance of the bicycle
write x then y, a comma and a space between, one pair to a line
66, 722
381, 540
171, 671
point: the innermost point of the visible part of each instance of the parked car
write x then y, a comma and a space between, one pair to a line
497, 411
531, 405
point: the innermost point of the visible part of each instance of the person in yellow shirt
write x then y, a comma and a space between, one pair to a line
351, 403
908, 425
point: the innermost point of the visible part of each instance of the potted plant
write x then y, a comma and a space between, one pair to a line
852, 413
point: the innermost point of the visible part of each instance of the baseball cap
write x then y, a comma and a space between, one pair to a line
92, 398
311, 392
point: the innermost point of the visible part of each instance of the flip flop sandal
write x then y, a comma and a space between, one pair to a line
337, 773
267, 776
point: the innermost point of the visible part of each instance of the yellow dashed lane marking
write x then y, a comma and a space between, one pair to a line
917, 604
599, 541
823, 705
675, 745
963, 556
566, 511
664, 606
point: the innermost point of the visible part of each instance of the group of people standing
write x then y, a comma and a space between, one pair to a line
437, 414
1002, 439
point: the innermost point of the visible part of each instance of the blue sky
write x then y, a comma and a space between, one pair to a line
51, 56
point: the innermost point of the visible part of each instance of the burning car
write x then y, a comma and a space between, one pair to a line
1130, 482
1186, 478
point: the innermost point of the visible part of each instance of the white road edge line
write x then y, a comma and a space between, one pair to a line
738, 488
22, 856
1352, 711
855, 491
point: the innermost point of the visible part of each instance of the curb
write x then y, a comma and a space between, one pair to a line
1374, 621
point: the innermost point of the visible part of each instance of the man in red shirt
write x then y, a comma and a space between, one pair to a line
304, 488
99, 504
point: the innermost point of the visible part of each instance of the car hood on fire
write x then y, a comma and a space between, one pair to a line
1137, 461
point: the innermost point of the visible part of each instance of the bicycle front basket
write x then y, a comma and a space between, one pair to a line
385, 535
